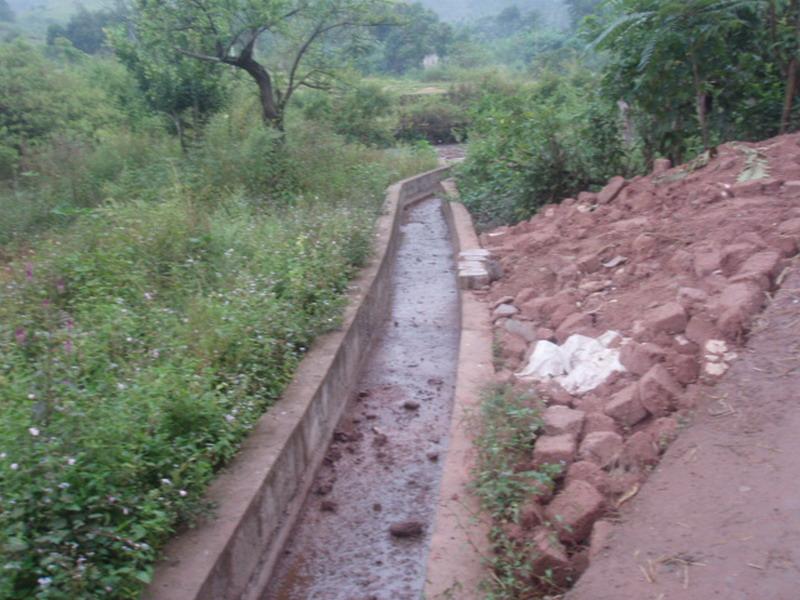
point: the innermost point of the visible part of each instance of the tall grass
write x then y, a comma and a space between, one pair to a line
144, 334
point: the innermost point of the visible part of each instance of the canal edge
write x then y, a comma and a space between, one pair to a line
456, 566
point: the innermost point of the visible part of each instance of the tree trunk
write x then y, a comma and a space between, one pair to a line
791, 92
270, 111
176, 120
702, 105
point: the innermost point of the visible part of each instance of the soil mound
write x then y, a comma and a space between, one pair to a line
679, 264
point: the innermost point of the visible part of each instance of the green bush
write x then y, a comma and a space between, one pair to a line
540, 145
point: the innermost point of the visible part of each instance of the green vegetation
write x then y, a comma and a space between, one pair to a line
641, 79
187, 188
508, 427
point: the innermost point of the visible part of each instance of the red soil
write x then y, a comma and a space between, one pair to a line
672, 261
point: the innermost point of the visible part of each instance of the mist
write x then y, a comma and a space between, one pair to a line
553, 12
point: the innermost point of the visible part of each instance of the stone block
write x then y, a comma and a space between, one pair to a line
554, 449
626, 406
658, 391
601, 447
559, 420
574, 510
670, 318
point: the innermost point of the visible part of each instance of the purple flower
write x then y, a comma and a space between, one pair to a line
70, 324
29, 271
61, 287
21, 335
68, 346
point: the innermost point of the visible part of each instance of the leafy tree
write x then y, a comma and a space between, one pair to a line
677, 55
85, 29
181, 88
283, 45
40, 98
6, 14
579, 9
411, 33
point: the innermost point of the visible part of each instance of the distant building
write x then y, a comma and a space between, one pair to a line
430, 61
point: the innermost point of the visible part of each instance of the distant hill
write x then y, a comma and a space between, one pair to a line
34, 16
553, 11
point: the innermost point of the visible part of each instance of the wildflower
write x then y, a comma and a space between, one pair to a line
29, 271
3, 455
148, 296
121, 386
64, 485
70, 324
61, 286
34, 431
44, 581
21, 335
183, 493
230, 418
31, 396
14, 466
166, 481
155, 353
68, 346
71, 461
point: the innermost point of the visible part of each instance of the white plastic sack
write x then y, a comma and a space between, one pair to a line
579, 366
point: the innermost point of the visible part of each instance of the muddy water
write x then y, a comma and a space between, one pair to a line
383, 465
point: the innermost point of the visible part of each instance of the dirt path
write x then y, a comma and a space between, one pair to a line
720, 517
383, 465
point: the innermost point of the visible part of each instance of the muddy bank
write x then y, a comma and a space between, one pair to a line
382, 468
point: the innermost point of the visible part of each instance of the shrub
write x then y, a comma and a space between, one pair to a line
544, 143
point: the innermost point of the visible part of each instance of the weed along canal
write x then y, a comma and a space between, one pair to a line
364, 531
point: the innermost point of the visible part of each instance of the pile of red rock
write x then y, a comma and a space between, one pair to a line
680, 263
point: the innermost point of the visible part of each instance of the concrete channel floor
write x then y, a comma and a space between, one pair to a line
383, 465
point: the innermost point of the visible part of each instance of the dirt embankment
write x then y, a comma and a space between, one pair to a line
679, 264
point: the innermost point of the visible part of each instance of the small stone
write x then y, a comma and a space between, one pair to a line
612, 190
601, 447
328, 506
589, 472
521, 329
411, 405
640, 451
549, 555
559, 420
433, 456
503, 300
407, 529
658, 391
670, 318
626, 406
574, 510
505, 310
661, 165
554, 449
640, 358
598, 422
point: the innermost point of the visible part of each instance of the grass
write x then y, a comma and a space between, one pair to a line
141, 338
509, 426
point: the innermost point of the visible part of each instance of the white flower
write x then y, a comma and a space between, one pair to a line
14, 466
64, 485
34, 431
71, 461
31, 396
166, 481
121, 386
148, 296
230, 418
183, 493
45, 581
3, 455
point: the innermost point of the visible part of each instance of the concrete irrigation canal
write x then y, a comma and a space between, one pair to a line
364, 530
